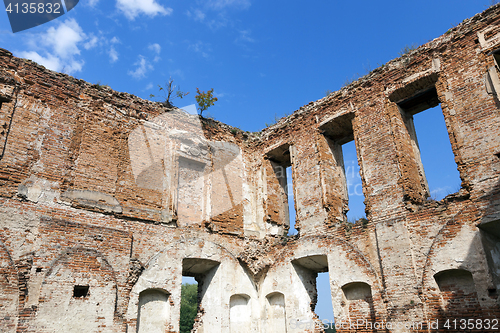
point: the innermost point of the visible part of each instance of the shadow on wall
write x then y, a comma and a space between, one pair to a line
171, 159
275, 313
239, 310
67, 289
204, 271
489, 227
9, 291
469, 245
154, 311
359, 301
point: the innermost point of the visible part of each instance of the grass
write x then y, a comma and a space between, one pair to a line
276, 119
236, 130
348, 81
407, 49
100, 86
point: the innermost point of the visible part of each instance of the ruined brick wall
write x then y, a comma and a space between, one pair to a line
107, 200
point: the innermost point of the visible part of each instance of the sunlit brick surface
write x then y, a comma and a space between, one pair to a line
104, 190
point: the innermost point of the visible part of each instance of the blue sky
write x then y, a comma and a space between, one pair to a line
263, 58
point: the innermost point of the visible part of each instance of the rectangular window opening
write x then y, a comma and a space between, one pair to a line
355, 195
492, 77
434, 156
189, 303
340, 138
80, 291
291, 202
324, 307
281, 162
496, 57
196, 276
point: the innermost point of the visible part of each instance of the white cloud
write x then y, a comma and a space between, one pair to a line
132, 8
50, 61
92, 3
113, 54
64, 38
201, 48
222, 4
91, 43
220, 22
221, 18
58, 48
440, 191
178, 74
245, 36
143, 66
156, 48
149, 86
197, 15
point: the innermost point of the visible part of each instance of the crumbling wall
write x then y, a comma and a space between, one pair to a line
107, 200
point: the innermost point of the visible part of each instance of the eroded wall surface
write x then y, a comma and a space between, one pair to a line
107, 200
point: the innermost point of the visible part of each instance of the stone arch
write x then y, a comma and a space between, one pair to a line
240, 313
79, 290
208, 261
440, 247
153, 315
9, 291
454, 261
345, 264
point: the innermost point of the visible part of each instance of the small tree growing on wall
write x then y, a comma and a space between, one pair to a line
169, 93
205, 99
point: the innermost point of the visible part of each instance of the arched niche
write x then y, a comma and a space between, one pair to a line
356, 291
458, 296
275, 313
240, 314
153, 314
79, 290
455, 280
358, 301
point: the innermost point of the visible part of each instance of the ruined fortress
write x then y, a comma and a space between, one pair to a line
107, 200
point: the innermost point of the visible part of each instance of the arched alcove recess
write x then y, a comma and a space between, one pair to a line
358, 301
9, 292
456, 261
153, 315
78, 291
345, 264
194, 257
457, 293
240, 313
275, 313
